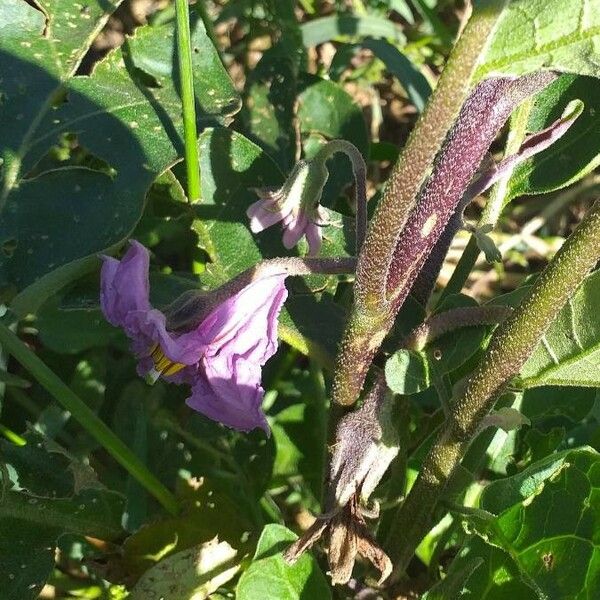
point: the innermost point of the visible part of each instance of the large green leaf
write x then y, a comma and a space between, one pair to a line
569, 353
268, 576
575, 154
543, 528
550, 34
126, 114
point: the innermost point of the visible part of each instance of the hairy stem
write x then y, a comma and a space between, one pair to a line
414, 164
184, 53
359, 169
465, 316
483, 114
370, 318
495, 203
510, 346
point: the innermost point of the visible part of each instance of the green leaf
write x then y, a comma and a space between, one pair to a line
452, 585
563, 35
269, 576
300, 434
73, 331
497, 577
547, 524
209, 513
572, 403
569, 353
324, 29
126, 116
576, 153
407, 372
192, 574
453, 349
411, 79
49, 494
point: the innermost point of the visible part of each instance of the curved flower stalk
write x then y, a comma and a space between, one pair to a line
296, 204
216, 342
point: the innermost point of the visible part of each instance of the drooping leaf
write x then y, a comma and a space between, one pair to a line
324, 29
411, 79
269, 576
552, 34
397, 64
569, 353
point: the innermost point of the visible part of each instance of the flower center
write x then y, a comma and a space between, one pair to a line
162, 364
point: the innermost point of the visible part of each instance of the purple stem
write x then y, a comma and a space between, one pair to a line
482, 116
533, 144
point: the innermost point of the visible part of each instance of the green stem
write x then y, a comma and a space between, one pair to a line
184, 52
86, 418
510, 346
372, 316
494, 205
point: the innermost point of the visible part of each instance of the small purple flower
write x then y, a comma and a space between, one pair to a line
296, 205
221, 352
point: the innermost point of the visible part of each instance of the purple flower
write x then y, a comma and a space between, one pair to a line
296, 205
221, 352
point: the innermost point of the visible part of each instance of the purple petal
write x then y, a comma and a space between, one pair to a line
124, 298
295, 230
124, 284
264, 213
314, 237
229, 391
246, 323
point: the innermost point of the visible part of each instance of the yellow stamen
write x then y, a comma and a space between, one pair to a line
162, 364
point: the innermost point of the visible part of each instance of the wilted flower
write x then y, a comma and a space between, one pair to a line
296, 205
217, 343
366, 442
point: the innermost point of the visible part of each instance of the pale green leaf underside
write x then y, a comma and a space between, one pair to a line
569, 353
545, 34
